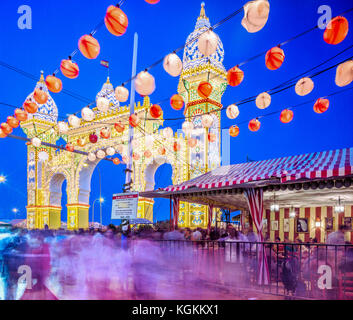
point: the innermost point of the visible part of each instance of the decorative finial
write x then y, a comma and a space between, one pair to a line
203, 12
41, 80
108, 80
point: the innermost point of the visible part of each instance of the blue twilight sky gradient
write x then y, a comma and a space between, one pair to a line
57, 26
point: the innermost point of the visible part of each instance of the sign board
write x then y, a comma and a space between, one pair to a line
125, 206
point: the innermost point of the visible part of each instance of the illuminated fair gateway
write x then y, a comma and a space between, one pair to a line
48, 168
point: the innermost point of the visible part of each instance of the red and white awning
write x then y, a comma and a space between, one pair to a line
327, 164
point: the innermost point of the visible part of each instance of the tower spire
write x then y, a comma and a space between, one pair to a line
203, 12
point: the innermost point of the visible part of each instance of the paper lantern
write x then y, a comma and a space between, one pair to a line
74, 121
232, 112
81, 143
274, 58
92, 157
149, 141
161, 151
134, 120
103, 104
192, 143
89, 46
126, 159
54, 84
336, 30
40, 96
70, 147
105, 133
167, 133
2, 134
136, 156
204, 89
207, 121
286, 116
254, 125
344, 74
212, 137
30, 106
13, 122
304, 86
152, 1
234, 131
177, 102
145, 83
116, 21
36, 142
255, 15
6, 128
321, 105
116, 161
93, 138
121, 94
156, 111
87, 114
263, 100
173, 65
147, 154
208, 43
69, 69
101, 154
21, 115
188, 127
119, 127
235, 76
63, 127
176, 147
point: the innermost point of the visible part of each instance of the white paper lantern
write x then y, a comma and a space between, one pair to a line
36, 142
149, 141
63, 127
121, 94
145, 83
110, 151
92, 157
188, 127
304, 86
74, 121
232, 112
255, 15
103, 104
101, 154
208, 43
344, 74
173, 65
168, 133
87, 114
263, 100
207, 121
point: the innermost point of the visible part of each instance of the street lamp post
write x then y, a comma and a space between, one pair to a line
101, 200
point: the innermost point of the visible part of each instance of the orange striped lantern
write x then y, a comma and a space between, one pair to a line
13, 122
204, 89
254, 125
177, 102
274, 58
321, 105
156, 111
235, 77
116, 21
21, 115
69, 69
336, 30
2, 134
286, 116
54, 84
89, 46
40, 96
152, 1
30, 106
234, 131
119, 127
6, 128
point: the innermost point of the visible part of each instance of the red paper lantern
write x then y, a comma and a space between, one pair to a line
116, 161
93, 138
234, 131
212, 137
336, 30
70, 147
119, 127
321, 105
162, 151
89, 46
69, 69
204, 89
147, 154
54, 84
2, 134
152, 1
6, 129
13, 122
156, 111
192, 143
254, 125
116, 21
40, 96
30, 106
235, 77
176, 147
286, 116
21, 115
177, 102
134, 120
274, 58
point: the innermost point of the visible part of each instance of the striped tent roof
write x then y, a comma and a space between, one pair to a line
327, 164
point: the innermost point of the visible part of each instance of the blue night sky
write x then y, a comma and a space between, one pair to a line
57, 26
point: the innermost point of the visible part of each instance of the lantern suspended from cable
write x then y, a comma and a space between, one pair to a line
21, 115
6, 128
274, 58
173, 65
204, 89
121, 94
145, 83
74, 121
36, 142
255, 15
156, 111
286, 116
40, 96
234, 131
232, 112
188, 127
304, 86
254, 125
89, 47
152, 1
235, 76
13, 122
2, 134
70, 147
54, 84
30, 106
263, 100
208, 43
92, 157
321, 105
63, 127
103, 104
87, 114
177, 102
344, 74
116, 21
207, 121
134, 120
69, 69
336, 30
116, 161
101, 154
